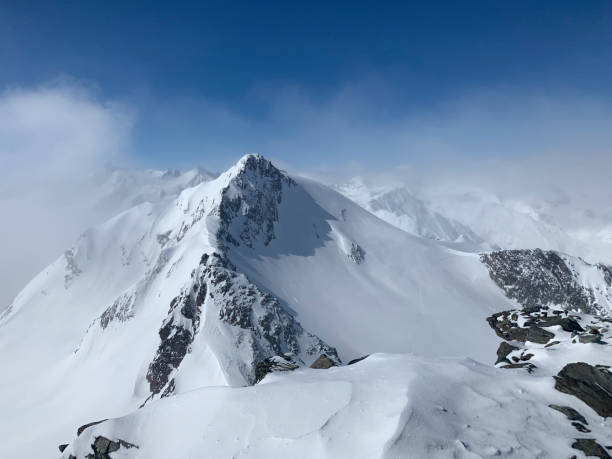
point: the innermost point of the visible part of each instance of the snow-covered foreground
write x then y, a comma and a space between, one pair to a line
392, 406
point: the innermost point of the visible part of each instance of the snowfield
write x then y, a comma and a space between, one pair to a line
386, 406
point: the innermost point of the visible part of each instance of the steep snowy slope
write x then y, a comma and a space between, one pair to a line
171, 296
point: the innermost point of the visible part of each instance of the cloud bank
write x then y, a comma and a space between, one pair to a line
52, 139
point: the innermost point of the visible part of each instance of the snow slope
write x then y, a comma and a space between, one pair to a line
386, 406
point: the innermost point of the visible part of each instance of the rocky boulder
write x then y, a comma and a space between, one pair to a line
590, 384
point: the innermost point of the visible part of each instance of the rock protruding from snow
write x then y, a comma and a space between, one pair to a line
256, 326
249, 203
591, 384
356, 254
323, 363
536, 277
274, 364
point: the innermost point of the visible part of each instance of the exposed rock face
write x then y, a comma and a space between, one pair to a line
570, 413
590, 448
261, 327
357, 254
590, 338
249, 204
274, 364
503, 350
590, 384
323, 363
506, 326
536, 277
102, 447
122, 309
177, 333
607, 273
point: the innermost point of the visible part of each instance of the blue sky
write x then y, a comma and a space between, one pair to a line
303, 81
513, 97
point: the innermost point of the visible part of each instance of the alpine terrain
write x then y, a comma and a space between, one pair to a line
260, 314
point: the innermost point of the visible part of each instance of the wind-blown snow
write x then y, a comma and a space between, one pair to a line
387, 406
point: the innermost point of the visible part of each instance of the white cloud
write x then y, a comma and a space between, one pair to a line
51, 140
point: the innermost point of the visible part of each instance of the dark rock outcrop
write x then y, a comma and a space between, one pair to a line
537, 277
538, 335
359, 359
570, 413
528, 366
590, 384
323, 362
505, 325
356, 254
263, 328
590, 338
249, 204
590, 448
274, 364
102, 447
503, 350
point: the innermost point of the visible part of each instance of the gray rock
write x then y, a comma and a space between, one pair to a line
274, 364
590, 384
503, 350
590, 448
62, 447
566, 323
590, 338
535, 277
538, 335
580, 428
102, 447
528, 366
323, 363
570, 413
